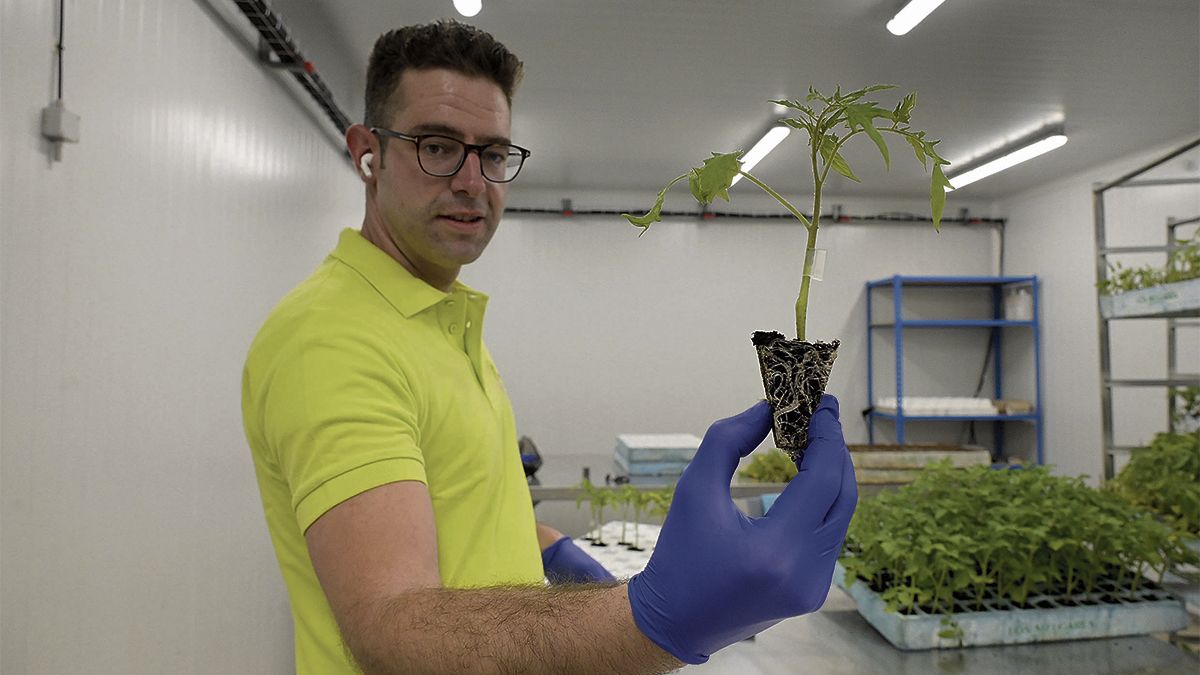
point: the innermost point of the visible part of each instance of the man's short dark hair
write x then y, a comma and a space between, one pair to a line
442, 44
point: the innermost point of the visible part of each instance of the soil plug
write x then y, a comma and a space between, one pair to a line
794, 376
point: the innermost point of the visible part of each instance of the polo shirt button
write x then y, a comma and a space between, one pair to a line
468, 324
453, 328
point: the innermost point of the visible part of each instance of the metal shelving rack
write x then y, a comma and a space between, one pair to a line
1174, 378
996, 324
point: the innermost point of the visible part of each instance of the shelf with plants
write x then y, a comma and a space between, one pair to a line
1003, 317
1153, 291
1168, 292
980, 556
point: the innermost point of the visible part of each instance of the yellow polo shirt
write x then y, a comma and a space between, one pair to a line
365, 375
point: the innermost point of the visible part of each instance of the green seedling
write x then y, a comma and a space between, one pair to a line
626, 498
965, 539
1164, 477
642, 500
830, 122
657, 503
601, 499
773, 466
597, 498
586, 493
951, 630
1183, 264
1186, 402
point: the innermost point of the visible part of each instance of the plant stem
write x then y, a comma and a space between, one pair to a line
802, 300
779, 198
806, 279
809, 247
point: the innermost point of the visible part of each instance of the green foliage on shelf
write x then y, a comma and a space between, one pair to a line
1187, 407
963, 536
769, 467
1164, 477
1182, 264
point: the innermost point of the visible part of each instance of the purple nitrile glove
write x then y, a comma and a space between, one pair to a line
718, 576
565, 562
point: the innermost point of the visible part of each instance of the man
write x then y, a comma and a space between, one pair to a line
385, 448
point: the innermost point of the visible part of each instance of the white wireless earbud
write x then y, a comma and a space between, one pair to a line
365, 164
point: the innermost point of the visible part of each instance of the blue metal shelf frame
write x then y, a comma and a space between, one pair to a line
997, 285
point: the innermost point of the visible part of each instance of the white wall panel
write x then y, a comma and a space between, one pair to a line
134, 274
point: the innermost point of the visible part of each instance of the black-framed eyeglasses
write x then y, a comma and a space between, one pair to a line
443, 156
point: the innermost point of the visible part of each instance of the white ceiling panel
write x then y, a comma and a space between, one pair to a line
626, 94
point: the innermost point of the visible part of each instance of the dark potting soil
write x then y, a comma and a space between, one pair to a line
794, 376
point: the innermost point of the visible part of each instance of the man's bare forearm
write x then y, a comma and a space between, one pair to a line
571, 629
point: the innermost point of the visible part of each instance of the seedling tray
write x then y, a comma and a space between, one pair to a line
1150, 611
1181, 298
656, 447
670, 469
899, 464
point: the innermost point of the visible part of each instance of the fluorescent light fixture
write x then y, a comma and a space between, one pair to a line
766, 144
1038, 143
912, 14
468, 8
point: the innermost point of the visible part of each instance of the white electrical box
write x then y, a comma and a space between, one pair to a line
59, 124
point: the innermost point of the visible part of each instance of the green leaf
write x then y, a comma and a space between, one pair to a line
797, 124
654, 215
716, 176
794, 105
937, 195
694, 181
863, 115
903, 111
835, 159
919, 148
931, 152
855, 95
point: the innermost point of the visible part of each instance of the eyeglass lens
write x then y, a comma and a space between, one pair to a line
441, 156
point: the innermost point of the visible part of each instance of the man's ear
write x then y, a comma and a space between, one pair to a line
363, 148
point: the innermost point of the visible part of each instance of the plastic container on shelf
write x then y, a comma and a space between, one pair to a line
1018, 304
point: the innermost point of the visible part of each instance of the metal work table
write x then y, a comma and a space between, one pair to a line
838, 641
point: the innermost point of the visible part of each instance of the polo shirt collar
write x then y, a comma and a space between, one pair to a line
408, 294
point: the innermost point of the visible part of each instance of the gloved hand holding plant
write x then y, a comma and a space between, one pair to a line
718, 576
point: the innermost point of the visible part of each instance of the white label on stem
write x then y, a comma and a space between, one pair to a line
815, 262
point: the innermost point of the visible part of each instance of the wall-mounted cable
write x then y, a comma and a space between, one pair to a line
59, 125
274, 39
567, 211
59, 48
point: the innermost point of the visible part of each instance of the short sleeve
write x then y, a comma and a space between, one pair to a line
341, 418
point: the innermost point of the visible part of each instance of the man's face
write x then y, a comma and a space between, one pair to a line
441, 224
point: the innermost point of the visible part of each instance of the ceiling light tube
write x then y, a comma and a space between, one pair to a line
1031, 146
766, 144
912, 14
